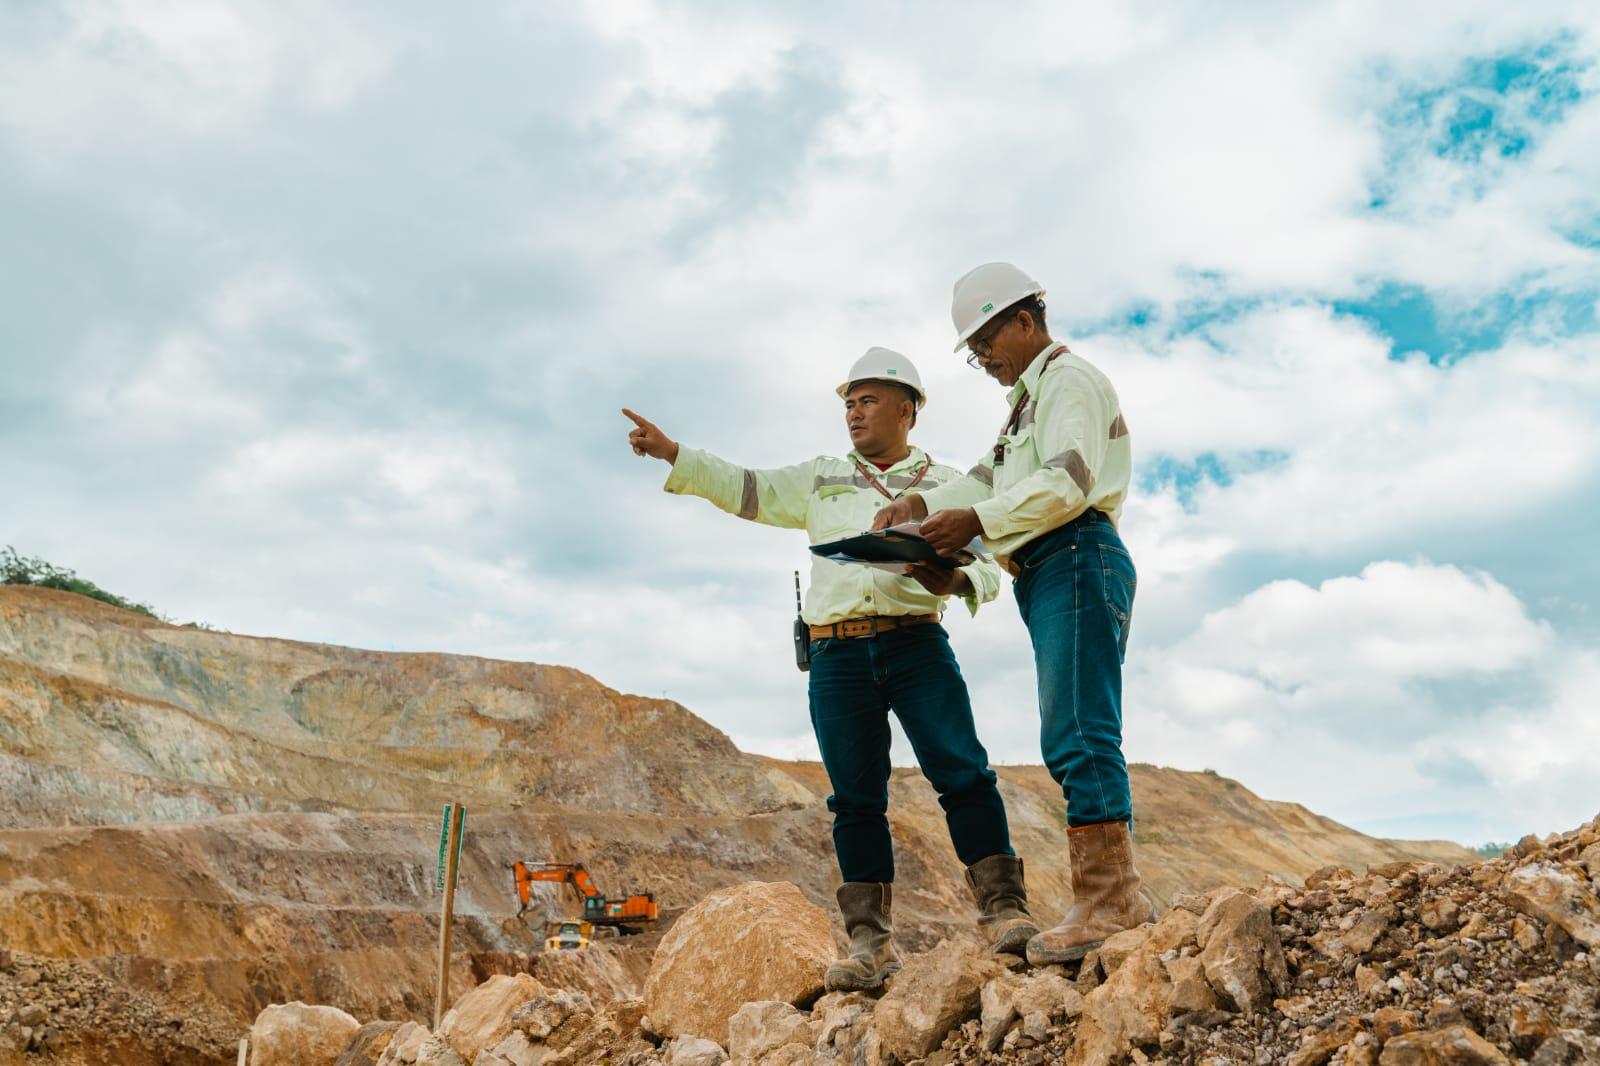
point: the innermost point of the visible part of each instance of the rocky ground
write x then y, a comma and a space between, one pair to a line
1408, 964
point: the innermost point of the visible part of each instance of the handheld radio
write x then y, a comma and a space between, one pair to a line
802, 632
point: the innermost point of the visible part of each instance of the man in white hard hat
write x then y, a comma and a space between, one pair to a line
1054, 484
877, 646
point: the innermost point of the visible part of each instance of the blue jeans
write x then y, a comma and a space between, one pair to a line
854, 685
1075, 592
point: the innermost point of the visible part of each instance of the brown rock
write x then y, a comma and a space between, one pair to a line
1371, 926
1241, 953
1327, 875
1118, 946
1477, 927
1190, 989
547, 1011
747, 943
368, 1044
1390, 1022
294, 1034
695, 1051
1570, 1047
842, 1021
757, 1029
1530, 1024
404, 1045
1551, 894
1455, 1046
997, 1009
1440, 914
1128, 1011
1317, 1048
936, 991
482, 1018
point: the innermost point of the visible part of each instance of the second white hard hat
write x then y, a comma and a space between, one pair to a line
881, 364
985, 291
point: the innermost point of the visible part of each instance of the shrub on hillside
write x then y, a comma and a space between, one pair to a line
19, 570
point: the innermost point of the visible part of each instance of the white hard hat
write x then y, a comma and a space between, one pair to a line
985, 291
881, 364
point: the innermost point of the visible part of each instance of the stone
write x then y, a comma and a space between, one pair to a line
1454, 1046
404, 1045
514, 1050
1050, 994
790, 1055
1526, 934
935, 992
482, 1018
368, 1044
1390, 1022
1530, 1024
1190, 989
751, 942
1570, 1047
436, 1051
997, 1009
1129, 1010
297, 1034
1319, 1046
842, 1021
1326, 875
1368, 980
1477, 927
1240, 950
32, 1014
1118, 946
1368, 929
762, 1027
1545, 891
1440, 914
695, 1051
545, 1013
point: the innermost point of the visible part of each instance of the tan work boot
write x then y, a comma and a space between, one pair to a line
1105, 895
871, 957
1002, 899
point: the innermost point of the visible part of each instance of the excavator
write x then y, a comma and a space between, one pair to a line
614, 916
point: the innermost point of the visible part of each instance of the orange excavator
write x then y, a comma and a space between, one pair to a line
620, 916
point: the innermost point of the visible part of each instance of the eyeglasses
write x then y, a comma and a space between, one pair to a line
979, 347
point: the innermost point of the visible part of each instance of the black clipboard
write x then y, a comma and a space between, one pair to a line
893, 545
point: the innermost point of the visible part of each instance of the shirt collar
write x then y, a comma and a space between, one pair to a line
912, 460
1029, 381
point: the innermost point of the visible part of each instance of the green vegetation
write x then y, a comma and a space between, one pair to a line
1492, 850
18, 570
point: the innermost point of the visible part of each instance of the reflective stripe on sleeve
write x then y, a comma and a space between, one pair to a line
1072, 462
750, 501
983, 474
1119, 428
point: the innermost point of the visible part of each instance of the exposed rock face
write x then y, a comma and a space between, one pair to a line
294, 1034
751, 942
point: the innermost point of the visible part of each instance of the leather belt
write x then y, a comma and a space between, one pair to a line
870, 626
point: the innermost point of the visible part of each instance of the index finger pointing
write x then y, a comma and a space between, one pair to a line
638, 420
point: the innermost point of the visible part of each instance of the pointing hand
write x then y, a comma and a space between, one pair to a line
647, 439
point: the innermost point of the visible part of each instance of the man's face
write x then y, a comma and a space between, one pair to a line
1005, 346
878, 417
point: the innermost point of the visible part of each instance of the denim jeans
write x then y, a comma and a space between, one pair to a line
855, 683
1075, 593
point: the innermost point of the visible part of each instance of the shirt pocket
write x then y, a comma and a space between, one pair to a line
835, 512
1020, 459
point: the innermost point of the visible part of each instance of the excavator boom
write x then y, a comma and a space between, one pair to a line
624, 915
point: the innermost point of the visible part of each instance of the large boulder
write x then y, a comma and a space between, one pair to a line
482, 1018
295, 1034
936, 991
1128, 1010
1241, 953
750, 942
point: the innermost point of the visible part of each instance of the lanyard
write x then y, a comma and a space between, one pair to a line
1014, 423
875, 483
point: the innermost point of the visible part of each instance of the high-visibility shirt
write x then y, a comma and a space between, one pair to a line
1070, 451
830, 498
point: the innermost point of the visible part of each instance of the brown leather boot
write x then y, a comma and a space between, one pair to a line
1105, 895
1002, 899
871, 957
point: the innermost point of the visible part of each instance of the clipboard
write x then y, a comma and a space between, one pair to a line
891, 549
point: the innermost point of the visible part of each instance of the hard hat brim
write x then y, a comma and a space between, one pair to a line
922, 398
966, 334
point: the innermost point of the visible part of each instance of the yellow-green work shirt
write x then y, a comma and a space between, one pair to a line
829, 498
1070, 452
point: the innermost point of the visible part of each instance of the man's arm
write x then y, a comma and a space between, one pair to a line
959, 491
776, 497
1072, 440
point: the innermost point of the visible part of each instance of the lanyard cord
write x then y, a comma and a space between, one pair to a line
1014, 423
875, 483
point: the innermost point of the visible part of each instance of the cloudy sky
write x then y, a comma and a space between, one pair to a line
316, 320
